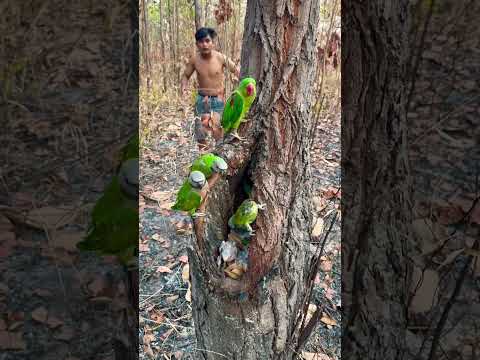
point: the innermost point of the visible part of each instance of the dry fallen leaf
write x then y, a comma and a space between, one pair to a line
166, 334
50, 217
143, 248
171, 299
450, 258
157, 316
426, 295
327, 320
12, 341
54, 322
326, 265
178, 355
188, 295
314, 356
158, 237
450, 215
330, 293
40, 314
311, 310
186, 273
163, 269
318, 228
67, 239
6, 225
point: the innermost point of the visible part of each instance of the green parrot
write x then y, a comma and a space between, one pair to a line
208, 164
244, 216
237, 106
189, 196
114, 222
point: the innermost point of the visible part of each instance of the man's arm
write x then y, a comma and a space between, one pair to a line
231, 66
189, 69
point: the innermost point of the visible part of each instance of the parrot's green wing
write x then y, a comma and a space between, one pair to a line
245, 214
186, 198
131, 151
232, 112
114, 226
204, 164
182, 196
193, 201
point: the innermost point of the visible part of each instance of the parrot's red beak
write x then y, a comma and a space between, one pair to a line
249, 90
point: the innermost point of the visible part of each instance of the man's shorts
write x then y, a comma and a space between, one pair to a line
205, 106
211, 103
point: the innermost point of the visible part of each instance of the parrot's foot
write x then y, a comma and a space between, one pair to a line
244, 120
262, 206
235, 135
198, 215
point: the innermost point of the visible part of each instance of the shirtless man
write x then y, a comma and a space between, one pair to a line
209, 65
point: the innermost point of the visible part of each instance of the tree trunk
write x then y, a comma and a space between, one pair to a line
162, 47
146, 42
376, 187
171, 37
198, 14
206, 12
177, 44
260, 315
135, 39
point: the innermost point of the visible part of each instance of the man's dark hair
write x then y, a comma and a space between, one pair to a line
202, 33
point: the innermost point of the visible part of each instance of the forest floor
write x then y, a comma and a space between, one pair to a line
444, 140
166, 328
68, 112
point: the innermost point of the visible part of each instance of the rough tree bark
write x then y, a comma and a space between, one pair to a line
198, 14
261, 315
375, 179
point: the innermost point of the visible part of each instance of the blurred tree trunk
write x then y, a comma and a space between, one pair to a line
146, 43
376, 190
206, 12
177, 44
135, 36
162, 47
198, 14
261, 316
171, 37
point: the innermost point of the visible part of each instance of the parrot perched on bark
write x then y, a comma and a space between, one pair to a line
191, 194
114, 223
244, 216
208, 164
237, 106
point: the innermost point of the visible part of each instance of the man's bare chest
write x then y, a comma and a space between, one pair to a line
211, 69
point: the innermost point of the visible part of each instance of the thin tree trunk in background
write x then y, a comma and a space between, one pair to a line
198, 14
376, 191
171, 37
276, 157
164, 56
206, 13
177, 43
146, 44
234, 36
